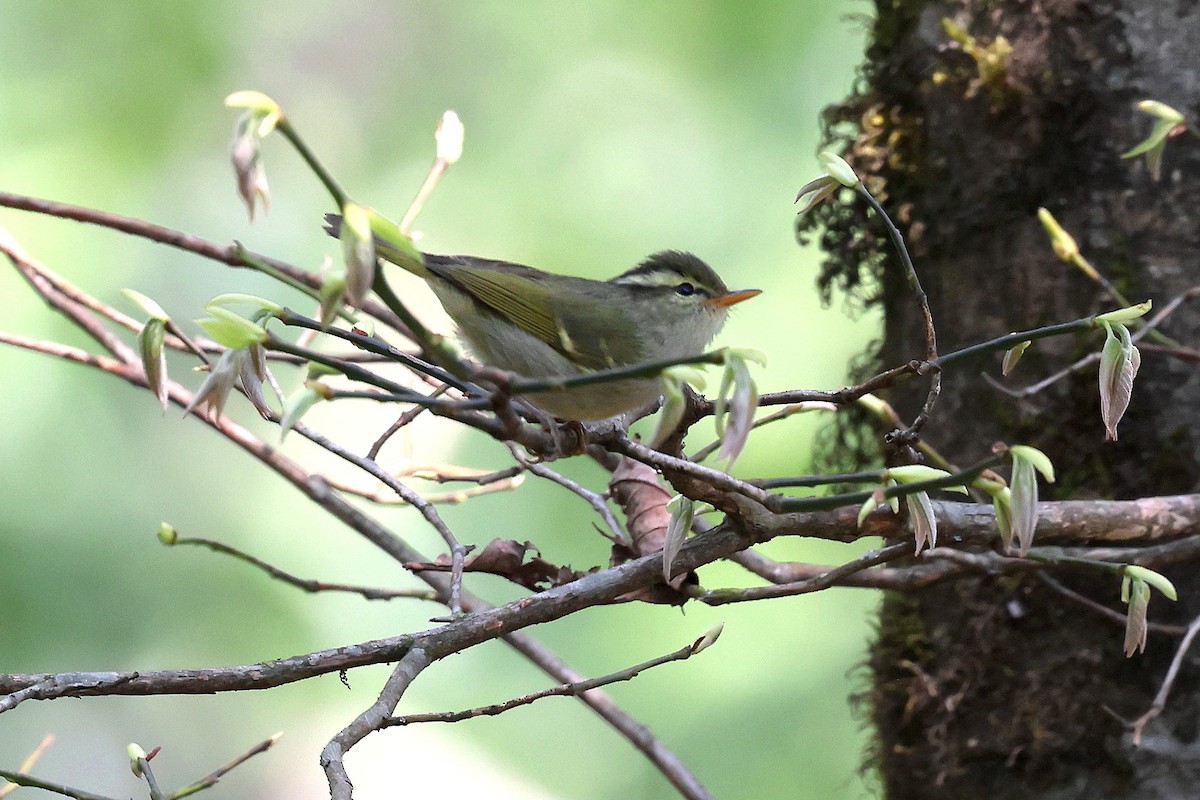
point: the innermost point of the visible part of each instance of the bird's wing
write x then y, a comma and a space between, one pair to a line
521, 298
592, 346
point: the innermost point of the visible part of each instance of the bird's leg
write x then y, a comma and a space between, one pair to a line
568, 437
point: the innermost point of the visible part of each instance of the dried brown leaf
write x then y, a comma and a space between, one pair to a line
637, 490
507, 558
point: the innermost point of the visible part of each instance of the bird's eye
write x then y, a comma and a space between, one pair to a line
685, 289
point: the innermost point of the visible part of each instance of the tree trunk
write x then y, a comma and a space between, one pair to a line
1006, 688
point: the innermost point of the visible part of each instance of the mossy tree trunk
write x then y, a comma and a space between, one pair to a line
1004, 688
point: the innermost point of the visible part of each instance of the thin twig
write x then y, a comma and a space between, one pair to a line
638, 734
403, 420
1160, 699
615, 532
143, 765
370, 720
717, 597
783, 413
619, 442
1104, 611
233, 255
379, 347
1093, 357
21, 779
914, 283
65, 298
865, 476
305, 584
386, 497
576, 688
213, 777
457, 551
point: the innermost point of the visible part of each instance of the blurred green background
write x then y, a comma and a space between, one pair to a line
596, 133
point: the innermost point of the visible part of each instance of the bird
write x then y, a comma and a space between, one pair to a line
543, 325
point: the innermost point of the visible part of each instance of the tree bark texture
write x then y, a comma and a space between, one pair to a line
1003, 687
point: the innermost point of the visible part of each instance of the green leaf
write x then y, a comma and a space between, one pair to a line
214, 391
1002, 505
1155, 579
682, 509
1024, 498
154, 357
870, 504
1136, 626
298, 404
837, 168
259, 107
231, 330
1119, 363
741, 405
255, 101
246, 155
333, 291
358, 253
1161, 110
1157, 138
1036, 457
395, 245
1125, 314
916, 473
147, 306
673, 379
732, 354
1012, 356
136, 754
817, 191
230, 298
672, 411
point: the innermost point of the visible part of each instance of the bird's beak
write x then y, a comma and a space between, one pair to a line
729, 298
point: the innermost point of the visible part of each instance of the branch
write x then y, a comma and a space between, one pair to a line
233, 255
213, 777
21, 779
304, 584
340, 788
563, 689
1160, 699
831, 577
598, 700
318, 491
914, 283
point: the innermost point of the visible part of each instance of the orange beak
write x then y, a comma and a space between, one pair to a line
729, 298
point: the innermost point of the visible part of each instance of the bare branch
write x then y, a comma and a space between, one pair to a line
717, 597
21, 779
1160, 699
598, 700
307, 585
563, 689
340, 788
213, 777
233, 255
615, 532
